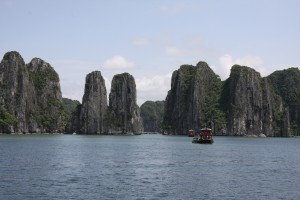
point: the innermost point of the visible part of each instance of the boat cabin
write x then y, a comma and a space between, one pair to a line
191, 133
205, 136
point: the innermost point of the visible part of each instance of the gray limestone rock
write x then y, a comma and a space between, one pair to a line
253, 106
123, 115
31, 93
94, 105
192, 102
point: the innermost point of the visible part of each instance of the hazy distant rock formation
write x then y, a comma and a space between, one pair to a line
74, 125
94, 105
31, 94
152, 114
73, 107
70, 104
123, 115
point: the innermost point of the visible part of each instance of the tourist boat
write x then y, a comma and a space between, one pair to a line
204, 137
191, 133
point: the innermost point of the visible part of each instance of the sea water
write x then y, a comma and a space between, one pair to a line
148, 167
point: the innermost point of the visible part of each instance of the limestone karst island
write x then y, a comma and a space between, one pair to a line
245, 104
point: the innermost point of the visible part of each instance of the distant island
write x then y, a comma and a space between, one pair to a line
243, 105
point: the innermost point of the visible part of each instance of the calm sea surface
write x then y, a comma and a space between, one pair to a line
148, 167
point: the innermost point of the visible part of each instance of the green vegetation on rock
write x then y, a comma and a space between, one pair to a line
194, 100
42, 75
118, 79
31, 93
188, 77
286, 83
7, 119
152, 114
212, 111
152, 110
70, 104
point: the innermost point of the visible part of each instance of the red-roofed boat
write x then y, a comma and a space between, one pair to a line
204, 137
191, 133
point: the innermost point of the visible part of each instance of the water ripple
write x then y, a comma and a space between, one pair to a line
148, 167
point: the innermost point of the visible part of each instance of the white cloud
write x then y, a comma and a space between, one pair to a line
226, 62
154, 82
118, 62
140, 41
107, 86
251, 61
153, 88
173, 51
72, 75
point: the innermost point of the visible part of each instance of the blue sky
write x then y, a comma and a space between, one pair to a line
150, 39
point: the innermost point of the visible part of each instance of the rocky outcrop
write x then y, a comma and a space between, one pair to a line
152, 114
123, 115
94, 105
192, 102
93, 116
14, 83
31, 94
48, 112
244, 105
253, 107
286, 83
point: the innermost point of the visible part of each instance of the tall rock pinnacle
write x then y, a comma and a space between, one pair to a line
124, 114
94, 104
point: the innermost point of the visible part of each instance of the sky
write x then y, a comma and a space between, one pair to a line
150, 38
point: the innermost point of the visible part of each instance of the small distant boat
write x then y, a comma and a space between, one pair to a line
204, 137
191, 133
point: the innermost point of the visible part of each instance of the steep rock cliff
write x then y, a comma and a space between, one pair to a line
31, 93
14, 83
252, 106
48, 112
123, 116
94, 105
286, 83
152, 114
192, 102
